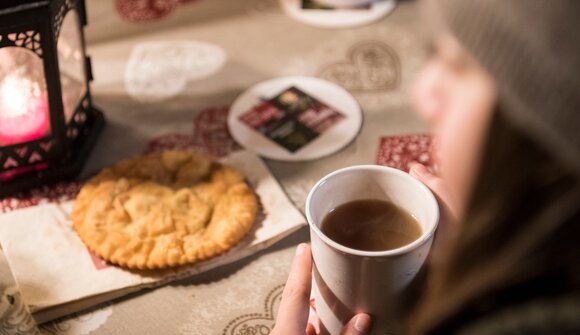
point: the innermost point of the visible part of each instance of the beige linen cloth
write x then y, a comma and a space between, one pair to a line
56, 274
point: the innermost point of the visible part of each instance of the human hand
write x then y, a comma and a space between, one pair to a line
448, 210
437, 185
292, 318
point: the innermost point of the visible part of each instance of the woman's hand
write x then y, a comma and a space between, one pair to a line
292, 318
437, 186
448, 210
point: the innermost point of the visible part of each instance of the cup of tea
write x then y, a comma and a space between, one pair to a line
371, 229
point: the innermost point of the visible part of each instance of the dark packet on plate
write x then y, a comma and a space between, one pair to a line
292, 118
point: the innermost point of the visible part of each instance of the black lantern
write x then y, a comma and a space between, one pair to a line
47, 121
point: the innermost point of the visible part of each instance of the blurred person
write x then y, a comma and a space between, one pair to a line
501, 93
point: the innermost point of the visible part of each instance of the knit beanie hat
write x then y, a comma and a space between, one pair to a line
532, 50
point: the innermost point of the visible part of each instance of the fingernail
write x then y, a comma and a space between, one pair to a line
419, 169
362, 323
300, 249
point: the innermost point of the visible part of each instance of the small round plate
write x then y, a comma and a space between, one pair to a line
328, 142
338, 18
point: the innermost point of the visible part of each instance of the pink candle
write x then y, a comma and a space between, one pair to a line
23, 111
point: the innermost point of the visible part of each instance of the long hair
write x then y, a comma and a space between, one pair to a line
518, 239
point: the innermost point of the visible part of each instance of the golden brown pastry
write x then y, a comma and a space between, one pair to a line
164, 209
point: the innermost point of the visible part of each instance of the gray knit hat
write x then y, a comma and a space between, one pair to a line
532, 49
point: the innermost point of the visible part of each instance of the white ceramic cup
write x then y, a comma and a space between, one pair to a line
347, 281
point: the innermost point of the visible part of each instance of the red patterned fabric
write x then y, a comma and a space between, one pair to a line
59, 192
210, 135
400, 151
147, 10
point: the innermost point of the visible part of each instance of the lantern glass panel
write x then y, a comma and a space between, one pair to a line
24, 111
71, 63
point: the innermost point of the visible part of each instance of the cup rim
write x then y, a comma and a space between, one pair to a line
392, 252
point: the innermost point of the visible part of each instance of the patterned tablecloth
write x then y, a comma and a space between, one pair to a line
166, 72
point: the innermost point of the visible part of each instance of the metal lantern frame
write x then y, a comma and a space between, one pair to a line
36, 25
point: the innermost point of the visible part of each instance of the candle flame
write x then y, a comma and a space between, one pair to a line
15, 95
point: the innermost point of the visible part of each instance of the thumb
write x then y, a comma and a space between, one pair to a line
360, 324
437, 185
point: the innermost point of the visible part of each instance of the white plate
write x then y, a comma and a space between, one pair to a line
338, 18
329, 142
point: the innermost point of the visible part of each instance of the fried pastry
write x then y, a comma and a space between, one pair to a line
164, 209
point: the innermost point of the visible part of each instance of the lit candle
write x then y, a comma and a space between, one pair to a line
23, 110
